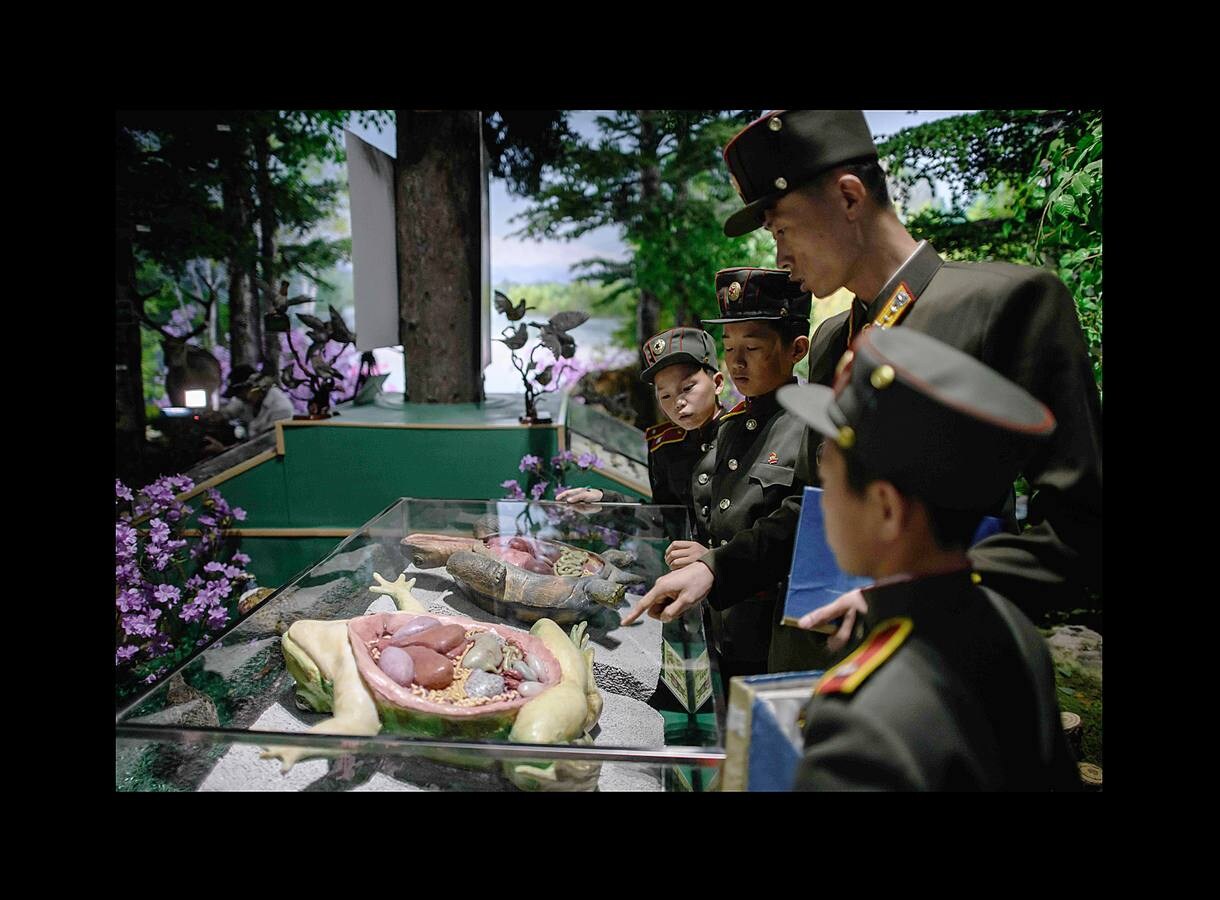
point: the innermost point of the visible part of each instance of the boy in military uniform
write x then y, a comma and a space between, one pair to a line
681, 365
748, 471
953, 688
812, 178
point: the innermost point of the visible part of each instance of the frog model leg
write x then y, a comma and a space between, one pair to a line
320, 658
561, 714
400, 590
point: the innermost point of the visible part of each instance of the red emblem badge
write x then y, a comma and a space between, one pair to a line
773, 459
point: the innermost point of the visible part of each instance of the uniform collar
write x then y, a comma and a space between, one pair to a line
902, 595
707, 430
765, 405
915, 274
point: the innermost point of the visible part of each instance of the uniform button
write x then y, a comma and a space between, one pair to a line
751, 424
723, 541
733, 464
703, 448
705, 510
703, 478
724, 504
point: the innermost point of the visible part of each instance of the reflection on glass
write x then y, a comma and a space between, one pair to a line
532, 585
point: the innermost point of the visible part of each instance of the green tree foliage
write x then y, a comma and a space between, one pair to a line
658, 178
1023, 186
175, 173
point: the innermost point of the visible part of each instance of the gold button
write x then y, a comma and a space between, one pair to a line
734, 290
703, 478
733, 464
976, 578
882, 377
781, 183
703, 448
724, 504
751, 424
705, 510
723, 541
775, 124
658, 345
846, 437
844, 362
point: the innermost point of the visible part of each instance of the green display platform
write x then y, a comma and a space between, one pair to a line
324, 478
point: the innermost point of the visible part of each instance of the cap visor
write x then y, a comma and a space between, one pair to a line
672, 360
809, 403
748, 218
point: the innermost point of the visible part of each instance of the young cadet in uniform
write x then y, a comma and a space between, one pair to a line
953, 687
812, 177
681, 365
750, 470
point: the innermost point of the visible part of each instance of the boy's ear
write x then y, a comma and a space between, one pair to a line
800, 347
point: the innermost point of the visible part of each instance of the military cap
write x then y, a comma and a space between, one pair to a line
747, 293
786, 149
935, 422
678, 345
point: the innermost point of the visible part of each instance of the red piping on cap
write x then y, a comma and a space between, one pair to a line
1048, 420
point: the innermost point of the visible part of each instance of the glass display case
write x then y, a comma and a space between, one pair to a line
541, 584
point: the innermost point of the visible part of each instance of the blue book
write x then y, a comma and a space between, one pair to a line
815, 580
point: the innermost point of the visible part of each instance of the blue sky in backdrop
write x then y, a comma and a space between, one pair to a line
526, 261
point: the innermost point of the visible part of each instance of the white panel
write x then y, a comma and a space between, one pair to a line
370, 174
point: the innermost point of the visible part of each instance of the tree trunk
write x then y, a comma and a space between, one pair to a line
243, 344
439, 180
268, 226
128, 380
649, 311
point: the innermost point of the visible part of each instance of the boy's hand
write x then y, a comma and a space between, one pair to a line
683, 553
845, 605
579, 495
673, 594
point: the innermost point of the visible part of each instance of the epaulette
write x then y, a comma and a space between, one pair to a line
652, 430
876, 649
739, 408
670, 435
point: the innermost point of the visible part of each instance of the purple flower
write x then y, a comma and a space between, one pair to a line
239, 514
560, 488
127, 575
589, 460
158, 531
125, 541
538, 490
161, 560
566, 456
194, 583
241, 559
159, 645
514, 490
529, 462
154, 676
167, 593
218, 617
124, 653
207, 520
214, 567
139, 625
193, 611
130, 600
121, 491
235, 572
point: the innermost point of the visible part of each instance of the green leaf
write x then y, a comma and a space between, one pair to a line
1064, 204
